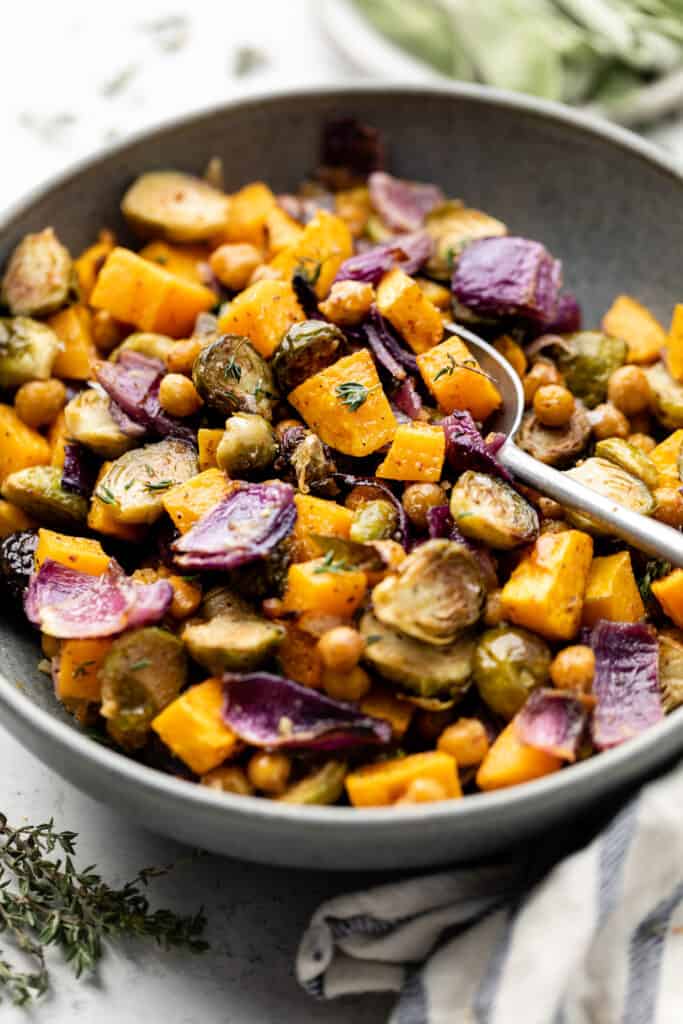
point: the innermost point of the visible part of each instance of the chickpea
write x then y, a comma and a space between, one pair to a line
550, 509
285, 425
39, 402
107, 332
233, 264
182, 355
178, 395
553, 405
341, 649
573, 668
417, 501
348, 685
607, 421
269, 772
642, 441
466, 740
228, 778
422, 791
493, 612
541, 373
668, 506
348, 303
430, 724
628, 389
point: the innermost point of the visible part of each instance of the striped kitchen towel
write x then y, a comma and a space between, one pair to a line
595, 939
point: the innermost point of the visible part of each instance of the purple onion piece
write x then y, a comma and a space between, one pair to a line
80, 469
391, 342
402, 205
467, 449
270, 711
552, 721
74, 605
626, 681
567, 317
245, 526
408, 252
133, 384
440, 522
508, 276
382, 354
402, 532
123, 421
346, 142
407, 399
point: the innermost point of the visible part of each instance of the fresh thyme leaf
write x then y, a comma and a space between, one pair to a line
142, 663
470, 365
328, 564
105, 495
82, 669
654, 570
160, 485
309, 269
353, 394
260, 391
233, 369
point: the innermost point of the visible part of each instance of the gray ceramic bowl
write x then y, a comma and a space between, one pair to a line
605, 202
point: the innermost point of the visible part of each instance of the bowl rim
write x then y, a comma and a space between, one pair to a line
476, 807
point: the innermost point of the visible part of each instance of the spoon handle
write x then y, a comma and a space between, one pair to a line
645, 534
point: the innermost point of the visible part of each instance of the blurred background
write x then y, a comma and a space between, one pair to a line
90, 74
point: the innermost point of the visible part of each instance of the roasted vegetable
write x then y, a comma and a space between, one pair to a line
668, 589
322, 248
187, 503
629, 320
452, 226
143, 671
263, 313
76, 669
612, 592
587, 359
402, 204
231, 376
613, 482
666, 396
406, 251
553, 722
323, 785
307, 348
509, 663
420, 668
491, 511
417, 453
556, 446
316, 516
81, 553
457, 381
401, 300
510, 761
134, 486
373, 520
192, 727
38, 491
324, 585
671, 668
38, 276
176, 206
310, 460
248, 445
20, 446
626, 682
28, 350
630, 458
437, 593
17, 562
378, 785
232, 636
89, 421
154, 346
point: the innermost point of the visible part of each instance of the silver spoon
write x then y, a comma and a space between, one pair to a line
645, 534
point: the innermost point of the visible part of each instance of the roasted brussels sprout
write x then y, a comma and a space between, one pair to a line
488, 509
312, 464
248, 445
134, 485
556, 446
175, 206
671, 668
666, 396
587, 359
437, 593
508, 664
451, 226
373, 520
28, 350
423, 669
613, 482
232, 636
231, 377
89, 421
155, 346
38, 276
17, 562
630, 458
38, 491
307, 348
143, 671
323, 785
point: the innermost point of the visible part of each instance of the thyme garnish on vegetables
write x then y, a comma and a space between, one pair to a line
105, 495
353, 394
161, 485
466, 364
328, 564
45, 901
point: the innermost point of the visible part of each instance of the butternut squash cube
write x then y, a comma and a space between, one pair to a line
381, 702
13, 518
346, 405
188, 502
320, 250
192, 727
674, 348
612, 592
282, 230
299, 656
57, 437
89, 264
510, 762
81, 553
181, 260
456, 380
417, 453
20, 446
438, 294
401, 300
665, 457
73, 328
514, 353
545, 592
317, 515
208, 440
263, 312
378, 785
247, 214
142, 293
669, 592
311, 587
80, 662
634, 324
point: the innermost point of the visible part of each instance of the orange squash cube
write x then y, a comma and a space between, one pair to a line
456, 380
247, 215
192, 727
80, 662
510, 762
89, 263
317, 515
57, 437
417, 453
378, 785
73, 328
282, 230
299, 656
320, 250
665, 457
263, 312
669, 592
311, 587
381, 702
208, 440
20, 446
674, 348
612, 592
181, 260
634, 324
186, 503
81, 553
401, 300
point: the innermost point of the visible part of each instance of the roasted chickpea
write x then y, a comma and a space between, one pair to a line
348, 303
229, 778
269, 772
642, 441
466, 740
107, 332
178, 395
40, 402
553, 405
417, 501
541, 373
341, 648
607, 421
423, 791
668, 506
182, 355
346, 685
233, 264
628, 390
573, 668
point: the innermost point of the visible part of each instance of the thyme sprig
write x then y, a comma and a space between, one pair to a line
353, 394
329, 564
46, 901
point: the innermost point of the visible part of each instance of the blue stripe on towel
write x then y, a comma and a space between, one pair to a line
645, 951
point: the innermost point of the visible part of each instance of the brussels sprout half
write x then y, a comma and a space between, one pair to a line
175, 206
154, 346
613, 482
555, 446
248, 445
28, 350
89, 421
509, 663
671, 667
488, 509
232, 637
630, 458
323, 785
588, 359
38, 276
134, 486
307, 348
38, 491
232, 377
666, 396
